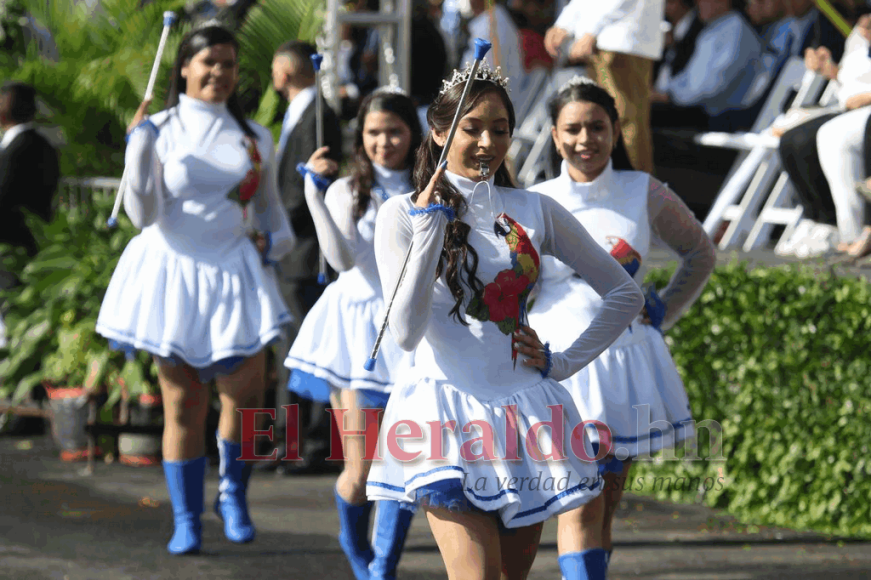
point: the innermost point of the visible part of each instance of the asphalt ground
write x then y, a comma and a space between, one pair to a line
57, 523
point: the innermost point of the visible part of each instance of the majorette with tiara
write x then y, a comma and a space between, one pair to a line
195, 287
633, 386
327, 353
479, 370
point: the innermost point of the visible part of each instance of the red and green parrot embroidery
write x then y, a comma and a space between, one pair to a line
503, 301
625, 254
246, 189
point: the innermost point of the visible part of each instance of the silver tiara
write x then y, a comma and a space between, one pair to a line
577, 81
484, 73
391, 89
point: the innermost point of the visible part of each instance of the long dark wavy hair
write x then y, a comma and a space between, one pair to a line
362, 173
457, 252
590, 93
192, 44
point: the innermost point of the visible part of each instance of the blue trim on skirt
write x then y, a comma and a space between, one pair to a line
309, 386
224, 367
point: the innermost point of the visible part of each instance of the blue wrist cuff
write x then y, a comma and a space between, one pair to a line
549, 356
321, 182
655, 308
266, 260
433, 207
145, 124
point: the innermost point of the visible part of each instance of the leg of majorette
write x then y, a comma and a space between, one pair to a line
242, 388
615, 480
354, 509
388, 539
185, 404
579, 541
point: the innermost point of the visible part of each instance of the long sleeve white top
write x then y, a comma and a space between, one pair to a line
624, 26
347, 242
627, 212
477, 358
179, 180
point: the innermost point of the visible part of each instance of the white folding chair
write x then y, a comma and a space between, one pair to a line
753, 174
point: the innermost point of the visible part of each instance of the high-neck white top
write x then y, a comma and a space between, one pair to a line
347, 242
626, 212
180, 181
478, 358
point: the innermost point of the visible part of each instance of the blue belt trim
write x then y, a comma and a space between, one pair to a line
336, 376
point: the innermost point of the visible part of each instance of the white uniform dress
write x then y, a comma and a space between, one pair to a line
192, 286
633, 387
465, 373
336, 337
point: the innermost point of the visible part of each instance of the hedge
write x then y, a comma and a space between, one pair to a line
780, 358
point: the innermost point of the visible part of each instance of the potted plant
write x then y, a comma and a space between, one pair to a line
51, 319
141, 406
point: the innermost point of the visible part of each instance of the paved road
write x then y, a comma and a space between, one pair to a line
57, 524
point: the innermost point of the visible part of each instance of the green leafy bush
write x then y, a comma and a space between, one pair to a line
51, 318
779, 358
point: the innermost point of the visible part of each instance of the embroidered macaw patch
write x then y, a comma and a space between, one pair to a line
625, 254
503, 301
246, 188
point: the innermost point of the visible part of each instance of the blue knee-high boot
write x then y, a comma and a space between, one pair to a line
388, 538
354, 535
586, 565
185, 481
231, 504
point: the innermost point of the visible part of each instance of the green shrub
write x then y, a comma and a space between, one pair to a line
778, 357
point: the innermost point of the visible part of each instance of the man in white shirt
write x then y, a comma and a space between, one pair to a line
621, 39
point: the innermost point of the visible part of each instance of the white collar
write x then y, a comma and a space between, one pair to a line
464, 185
298, 106
595, 190
683, 25
394, 181
192, 104
483, 198
14, 132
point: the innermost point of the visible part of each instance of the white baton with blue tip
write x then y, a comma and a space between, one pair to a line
481, 48
169, 19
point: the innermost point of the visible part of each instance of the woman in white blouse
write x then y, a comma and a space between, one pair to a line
195, 288
462, 305
333, 343
632, 387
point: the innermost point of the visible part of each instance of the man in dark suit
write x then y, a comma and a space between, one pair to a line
293, 76
29, 169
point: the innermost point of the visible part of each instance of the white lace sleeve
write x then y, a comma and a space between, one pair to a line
334, 221
675, 226
142, 195
395, 230
270, 217
567, 240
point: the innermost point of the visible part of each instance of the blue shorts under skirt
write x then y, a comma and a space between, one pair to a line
222, 368
448, 494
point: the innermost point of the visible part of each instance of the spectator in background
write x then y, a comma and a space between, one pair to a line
721, 76
533, 18
229, 13
29, 169
293, 76
680, 40
813, 29
506, 51
29, 175
801, 149
621, 41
